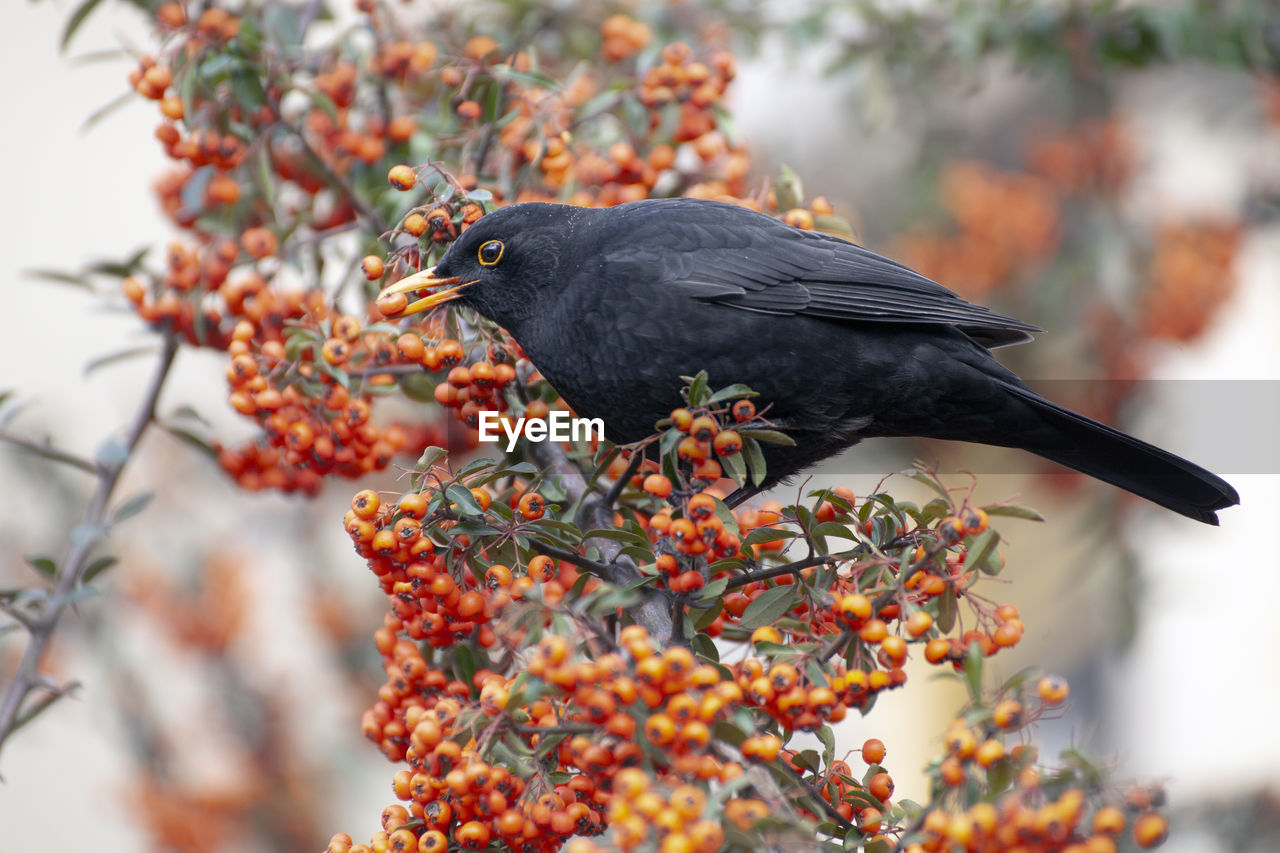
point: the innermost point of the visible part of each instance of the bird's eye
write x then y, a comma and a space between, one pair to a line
490, 253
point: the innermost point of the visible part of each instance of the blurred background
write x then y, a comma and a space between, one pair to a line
1109, 171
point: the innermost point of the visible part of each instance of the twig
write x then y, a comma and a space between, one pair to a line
73, 565
654, 609
598, 569
788, 569
615, 491
338, 182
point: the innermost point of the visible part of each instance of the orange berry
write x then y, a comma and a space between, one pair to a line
880, 786
1150, 829
657, 485
373, 267
873, 751
532, 506
744, 410
259, 242
415, 224
1052, 689
1007, 714
918, 623
682, 419
727, 443
402, 177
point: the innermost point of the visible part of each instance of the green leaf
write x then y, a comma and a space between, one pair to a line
705, 648
982, 553
708, 615
761, 535
430, 457
734, 468
929, 480
77, 18
713, 590
698, 389
618, 534
42, 564
1013, 511
731, 392
60, 277
770, 606
755, 460
828, 738
466, 502
99, 566
190, 438
118, 356
768, 436
948, 610
132, 507
247, 89
973, 671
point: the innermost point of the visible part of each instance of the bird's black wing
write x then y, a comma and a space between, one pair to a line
736, 257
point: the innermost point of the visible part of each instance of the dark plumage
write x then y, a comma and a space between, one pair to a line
614, 305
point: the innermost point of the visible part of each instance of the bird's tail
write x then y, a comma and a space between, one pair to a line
1095, 449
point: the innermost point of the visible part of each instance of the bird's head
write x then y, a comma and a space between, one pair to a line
503, 266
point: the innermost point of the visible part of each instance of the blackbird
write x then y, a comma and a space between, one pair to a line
614, 305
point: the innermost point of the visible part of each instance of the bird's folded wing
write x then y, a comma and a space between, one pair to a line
787, 272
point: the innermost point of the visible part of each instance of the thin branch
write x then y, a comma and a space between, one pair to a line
338, 182
615, 491
788, 569
598, 569
654, 609
71, 569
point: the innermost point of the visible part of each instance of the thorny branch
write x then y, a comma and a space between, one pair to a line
41, 625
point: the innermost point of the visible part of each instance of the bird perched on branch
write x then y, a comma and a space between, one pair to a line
614, 305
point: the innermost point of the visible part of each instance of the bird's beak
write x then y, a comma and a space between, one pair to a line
423, 280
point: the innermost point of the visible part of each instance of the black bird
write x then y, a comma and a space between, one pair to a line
613, 305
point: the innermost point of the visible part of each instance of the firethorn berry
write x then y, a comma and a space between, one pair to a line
880, 786
975, 521
919, 623
1108, 820
411, 346
365, 504
415, 224
1150, 829
433, 841
335, 351
682, 419
989, 752
873, 751
744, 410
855, 608
950, 530
1007, 714
1052, 689
373, 267
874, 631
657, 485
532, 506
258, 243
703, 428
701, 506
766, 634
402, 177
727, 443
542, 568
692, 449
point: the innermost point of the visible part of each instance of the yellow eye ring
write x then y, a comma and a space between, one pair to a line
490, 253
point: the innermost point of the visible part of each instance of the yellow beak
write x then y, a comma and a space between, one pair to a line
422, 280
